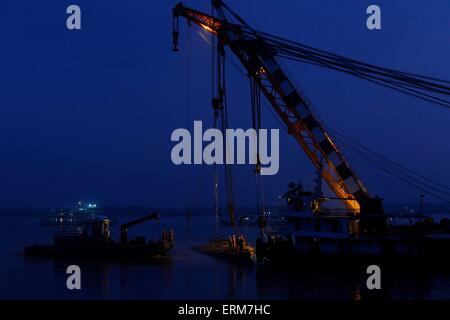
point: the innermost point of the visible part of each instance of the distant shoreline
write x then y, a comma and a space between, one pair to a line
132, 211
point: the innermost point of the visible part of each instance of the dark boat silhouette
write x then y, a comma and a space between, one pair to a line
222, 249
313, 233
95, 242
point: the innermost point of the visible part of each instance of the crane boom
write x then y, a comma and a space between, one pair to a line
125, 226
258, 58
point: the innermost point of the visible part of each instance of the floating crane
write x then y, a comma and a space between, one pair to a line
258, 51
95, 242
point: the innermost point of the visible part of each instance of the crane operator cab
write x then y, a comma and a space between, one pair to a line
99, 229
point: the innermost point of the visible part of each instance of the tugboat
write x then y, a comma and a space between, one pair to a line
315, 233
95, 242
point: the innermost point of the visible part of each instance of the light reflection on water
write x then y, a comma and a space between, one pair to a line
186, 274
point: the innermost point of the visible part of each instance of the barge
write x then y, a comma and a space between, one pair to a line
314, 233
95, 242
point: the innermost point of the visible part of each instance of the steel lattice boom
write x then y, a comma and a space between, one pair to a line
259, 58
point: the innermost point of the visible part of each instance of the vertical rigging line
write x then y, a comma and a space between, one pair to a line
254, 126
213, 89
224, 117
258, 105
255, 93
188, 107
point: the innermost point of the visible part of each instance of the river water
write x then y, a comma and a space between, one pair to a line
186, 274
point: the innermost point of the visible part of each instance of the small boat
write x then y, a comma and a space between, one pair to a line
95, 242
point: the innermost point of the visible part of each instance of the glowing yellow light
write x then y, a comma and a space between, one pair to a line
261, 71
207, 28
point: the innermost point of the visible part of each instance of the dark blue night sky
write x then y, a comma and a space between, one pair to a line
87, 115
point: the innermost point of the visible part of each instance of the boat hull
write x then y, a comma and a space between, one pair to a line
220, 249
103, 252
422, 251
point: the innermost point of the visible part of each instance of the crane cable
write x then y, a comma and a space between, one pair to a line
215, 115
188, 106
420, 86
392, 173
222, 97
427, 88
412, 178
424, 87
255, 99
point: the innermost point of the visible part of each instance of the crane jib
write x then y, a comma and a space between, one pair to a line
258, 57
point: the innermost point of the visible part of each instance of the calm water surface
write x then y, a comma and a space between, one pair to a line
186, 274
